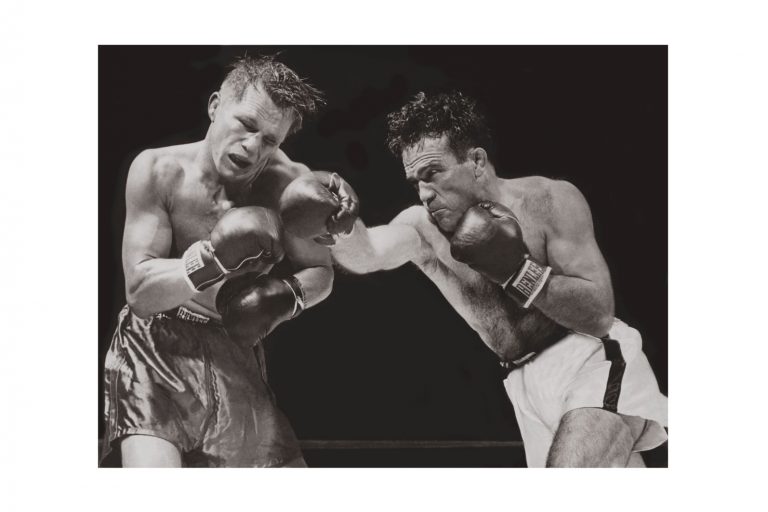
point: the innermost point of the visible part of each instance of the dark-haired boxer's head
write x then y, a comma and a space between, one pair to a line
442, 140
454, 115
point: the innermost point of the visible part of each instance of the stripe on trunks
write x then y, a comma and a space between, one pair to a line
615, 374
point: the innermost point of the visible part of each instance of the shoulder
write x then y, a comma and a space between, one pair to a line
426, 235
279, 172
281, 165
157, 170
559, 206
415, 216
418, 218
547, 198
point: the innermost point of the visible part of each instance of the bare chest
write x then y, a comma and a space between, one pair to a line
196, 208
498, 320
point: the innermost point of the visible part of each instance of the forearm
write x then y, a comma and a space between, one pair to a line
355, 253
577, 304
316, 282
157, 285
379, 248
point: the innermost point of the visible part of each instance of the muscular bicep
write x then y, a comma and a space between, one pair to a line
147, 232
311, 264
571, 246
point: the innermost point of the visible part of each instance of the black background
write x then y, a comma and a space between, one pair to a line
385, 356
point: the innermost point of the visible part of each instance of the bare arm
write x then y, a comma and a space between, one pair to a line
153, 283
578, 294
311, 261
382, 247
313, 268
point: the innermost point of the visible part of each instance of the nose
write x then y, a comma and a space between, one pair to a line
252, 144
426, 194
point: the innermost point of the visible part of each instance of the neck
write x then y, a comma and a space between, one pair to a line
204, 162
491, 188
210, 176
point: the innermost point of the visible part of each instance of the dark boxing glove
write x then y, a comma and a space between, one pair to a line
489, 239
252, 305
321, 206
247, 239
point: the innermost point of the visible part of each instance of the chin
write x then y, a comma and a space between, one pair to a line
227, 173
445, 225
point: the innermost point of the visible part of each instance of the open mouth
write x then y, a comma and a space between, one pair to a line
239, 161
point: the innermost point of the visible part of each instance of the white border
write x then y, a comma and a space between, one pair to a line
717, 214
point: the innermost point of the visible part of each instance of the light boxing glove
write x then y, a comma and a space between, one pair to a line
248, 239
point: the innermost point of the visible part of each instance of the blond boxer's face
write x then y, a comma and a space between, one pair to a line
446, 186
245, 132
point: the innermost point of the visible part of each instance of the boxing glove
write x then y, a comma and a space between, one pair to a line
252, 305
244, 239
489, 239
321, 206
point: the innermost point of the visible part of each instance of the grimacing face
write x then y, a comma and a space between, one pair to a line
446, 187
245, 134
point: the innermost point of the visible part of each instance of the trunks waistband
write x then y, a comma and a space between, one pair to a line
188, 315
509, 366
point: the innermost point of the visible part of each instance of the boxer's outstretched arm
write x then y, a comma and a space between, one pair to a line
382, 247
153, 283
578, 293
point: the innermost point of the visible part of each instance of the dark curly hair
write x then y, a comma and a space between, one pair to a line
452, 114
281, 83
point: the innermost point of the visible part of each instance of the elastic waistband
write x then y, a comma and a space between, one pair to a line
509, 366
188, 315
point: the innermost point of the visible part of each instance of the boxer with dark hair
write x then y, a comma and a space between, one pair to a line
518, 260
184, 385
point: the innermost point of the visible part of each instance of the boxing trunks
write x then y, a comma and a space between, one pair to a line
582, 371
179, 377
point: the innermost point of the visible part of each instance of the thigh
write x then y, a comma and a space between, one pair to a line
592, 437
140, 451
248, 429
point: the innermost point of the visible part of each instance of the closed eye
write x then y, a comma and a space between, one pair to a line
248, 126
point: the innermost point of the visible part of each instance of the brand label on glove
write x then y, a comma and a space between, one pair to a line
193, 259
530, 280
200, 266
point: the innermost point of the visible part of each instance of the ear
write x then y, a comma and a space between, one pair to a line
479, 159
213, 103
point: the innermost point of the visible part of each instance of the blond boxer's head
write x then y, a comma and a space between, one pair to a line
260, 102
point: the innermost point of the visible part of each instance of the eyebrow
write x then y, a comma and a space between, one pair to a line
414, 178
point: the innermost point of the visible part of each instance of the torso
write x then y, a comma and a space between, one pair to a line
507, 329
194, 206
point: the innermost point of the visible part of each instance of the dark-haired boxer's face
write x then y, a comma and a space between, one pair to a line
245, 133
446, 187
